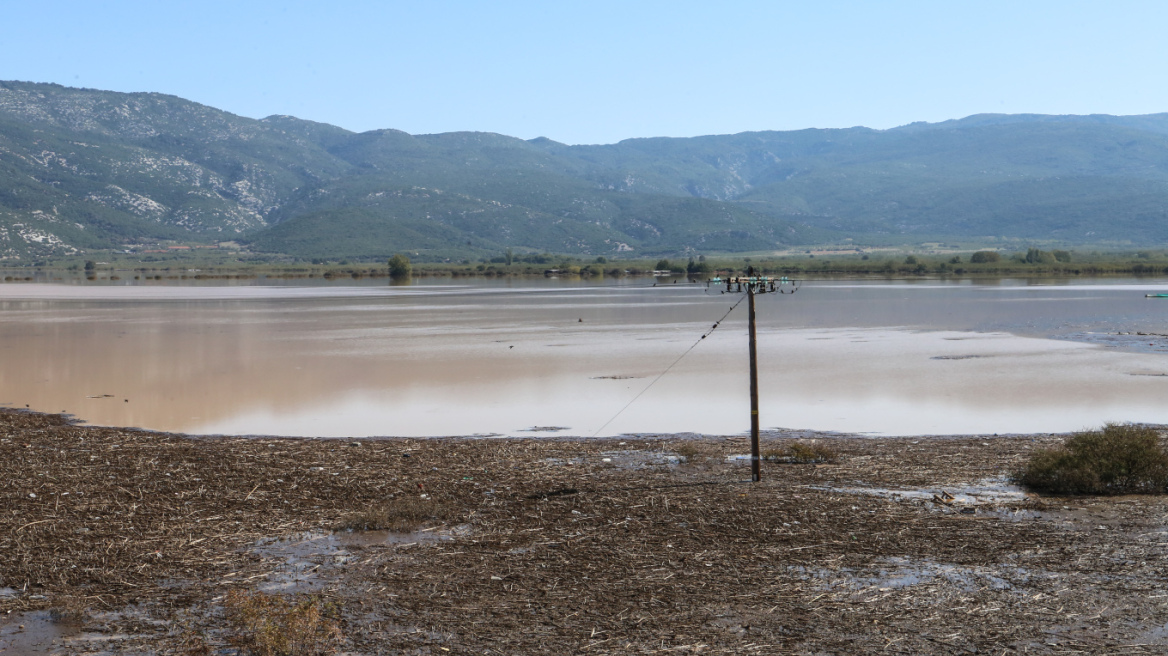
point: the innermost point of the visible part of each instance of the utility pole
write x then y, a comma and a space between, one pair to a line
755, 464
752, 285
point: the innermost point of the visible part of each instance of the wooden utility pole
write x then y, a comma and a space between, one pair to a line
755, 464
752, 285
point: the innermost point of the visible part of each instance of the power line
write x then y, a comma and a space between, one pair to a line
671, 366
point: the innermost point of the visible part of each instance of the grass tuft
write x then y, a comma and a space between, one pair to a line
803, 453
271, 625
1120, 459
687, 450
72, 612
402, 515
191, 643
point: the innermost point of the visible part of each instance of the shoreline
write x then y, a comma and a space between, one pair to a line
589, 271
570, 545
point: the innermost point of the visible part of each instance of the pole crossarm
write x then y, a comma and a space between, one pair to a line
755, 284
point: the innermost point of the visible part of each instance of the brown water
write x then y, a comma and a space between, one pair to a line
562, 358
25, 634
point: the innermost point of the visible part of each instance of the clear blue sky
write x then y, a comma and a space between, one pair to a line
599, 71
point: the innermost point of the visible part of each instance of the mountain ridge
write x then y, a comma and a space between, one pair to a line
86, 169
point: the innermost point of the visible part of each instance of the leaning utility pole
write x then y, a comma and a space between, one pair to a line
752, 285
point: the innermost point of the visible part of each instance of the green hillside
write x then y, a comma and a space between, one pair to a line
84, 170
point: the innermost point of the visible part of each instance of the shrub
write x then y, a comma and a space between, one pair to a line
404, 514
271, 625
804, 453
687, 450
1037, 256
811, 453
400, 267
698, 268
1120, 459
190, 642
72, 611
985, 257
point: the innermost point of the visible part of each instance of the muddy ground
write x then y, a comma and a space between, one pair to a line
125, 541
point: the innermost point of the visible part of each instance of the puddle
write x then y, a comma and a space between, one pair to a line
988, 492
1157, 636
9, 592
42, 632
36, 633
382, 538
302, 557
900, 573
1111, 515
634, 459
631, 459
996, 497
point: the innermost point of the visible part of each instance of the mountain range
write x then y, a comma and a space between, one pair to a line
84, 170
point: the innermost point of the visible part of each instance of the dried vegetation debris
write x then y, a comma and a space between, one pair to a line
562, 552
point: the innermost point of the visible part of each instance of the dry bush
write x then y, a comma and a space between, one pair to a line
191, 643
72, 612
811, 453
687, 450
773, 455
1120, 459
272, 625
403, 514
802, 453
188, 640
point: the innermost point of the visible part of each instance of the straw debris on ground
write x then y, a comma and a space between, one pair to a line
900, 546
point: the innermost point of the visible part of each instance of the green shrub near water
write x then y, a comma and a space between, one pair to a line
1120, 459
400, 267
985, 257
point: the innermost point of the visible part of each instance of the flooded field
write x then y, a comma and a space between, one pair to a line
131, 542
536, 357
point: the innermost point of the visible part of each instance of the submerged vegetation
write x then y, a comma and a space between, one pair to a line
1119, 459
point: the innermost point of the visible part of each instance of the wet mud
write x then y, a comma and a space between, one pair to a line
657, 545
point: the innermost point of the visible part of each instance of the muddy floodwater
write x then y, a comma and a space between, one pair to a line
551, 357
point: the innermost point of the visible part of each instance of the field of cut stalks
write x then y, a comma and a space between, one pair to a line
135, 541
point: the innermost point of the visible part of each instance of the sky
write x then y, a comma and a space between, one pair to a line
601, 71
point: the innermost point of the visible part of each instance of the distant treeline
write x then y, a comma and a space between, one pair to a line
1032, 262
